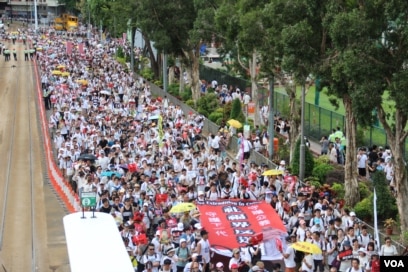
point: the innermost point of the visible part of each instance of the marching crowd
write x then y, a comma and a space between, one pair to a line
143, 155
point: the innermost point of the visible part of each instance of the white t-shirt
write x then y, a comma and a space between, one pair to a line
290, 260
309, 260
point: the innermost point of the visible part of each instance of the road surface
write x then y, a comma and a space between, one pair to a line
31, 229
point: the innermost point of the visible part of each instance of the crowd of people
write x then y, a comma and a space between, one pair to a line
149, 156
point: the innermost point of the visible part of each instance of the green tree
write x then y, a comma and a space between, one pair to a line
386, 205
309, 161
236, 111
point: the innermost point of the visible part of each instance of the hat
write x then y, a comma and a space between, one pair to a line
170, 250
180, 226
346, 243
234, 266
301, 194
200, 193
282, 162
255, 268
236, 250
293, 204
302, 222
196, 214
158, 232
198, 226
194, 255
167, 261
146, 204
219, 265
301, 215
352, 214
362, 250
316, 221
203, 232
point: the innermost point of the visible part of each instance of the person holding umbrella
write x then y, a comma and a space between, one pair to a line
307, 263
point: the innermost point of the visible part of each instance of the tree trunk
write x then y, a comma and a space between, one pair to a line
182, 83
254, 87
171, 75
294, 121
193, 72
154, 64
396, 142
352, 194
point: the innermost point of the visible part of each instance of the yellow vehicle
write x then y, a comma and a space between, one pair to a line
70, 22
66, 22
58, 24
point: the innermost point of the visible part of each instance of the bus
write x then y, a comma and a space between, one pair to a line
95, 244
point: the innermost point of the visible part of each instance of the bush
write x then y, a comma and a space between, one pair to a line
186, 94
147, 74
320, 171
323, 159
364, 190
335, 175
214, 116
338, 190
236, 109
208, 103
364, 209
190, 103
309, 162
386, 204
173, 89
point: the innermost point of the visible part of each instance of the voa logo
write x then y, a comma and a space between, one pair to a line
393, 263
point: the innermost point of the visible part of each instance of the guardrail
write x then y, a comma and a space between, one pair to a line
58, 182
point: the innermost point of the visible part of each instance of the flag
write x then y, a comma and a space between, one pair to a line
69, 48
81, 48
376, 233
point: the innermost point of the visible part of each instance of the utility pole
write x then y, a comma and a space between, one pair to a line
132, 47
36, 16
165, 79
302, 136
271, 119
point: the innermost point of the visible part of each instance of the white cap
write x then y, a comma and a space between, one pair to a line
146, 204
219, 265
194, 255
352, 214
282, 162
180, 226
158, 232
182, 240
198, 226
200, 193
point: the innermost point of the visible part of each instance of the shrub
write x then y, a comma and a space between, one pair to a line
147, 73
309, 162
186, 94
323, 159
364, 190
214, 116
386, 204
173, 89
236, 109
190, 103
202, 112
208, 103
335, 175
320, 171
338, 190
364, 209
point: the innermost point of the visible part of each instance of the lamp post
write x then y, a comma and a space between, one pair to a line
35, 16
302, 136
271, 121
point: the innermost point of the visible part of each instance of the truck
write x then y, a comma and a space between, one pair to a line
66, 22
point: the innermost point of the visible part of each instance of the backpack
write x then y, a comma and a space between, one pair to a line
255, 258
242, 266
140, 265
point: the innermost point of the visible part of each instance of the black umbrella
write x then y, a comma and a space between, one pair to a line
87, 157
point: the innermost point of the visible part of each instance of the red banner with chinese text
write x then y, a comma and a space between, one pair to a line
231, 223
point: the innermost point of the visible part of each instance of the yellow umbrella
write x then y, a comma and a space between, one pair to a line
183, 207
234, 123
56, 72
307, 247
272, 172
60, 66
82, 81
65, 74
39, 49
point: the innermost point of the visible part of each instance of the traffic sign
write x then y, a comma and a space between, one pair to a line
88, 199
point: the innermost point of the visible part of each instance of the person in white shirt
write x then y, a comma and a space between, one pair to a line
318, 259
289, 255
355, 266
307, 263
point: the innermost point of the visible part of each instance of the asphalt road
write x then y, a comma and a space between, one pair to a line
31, 230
